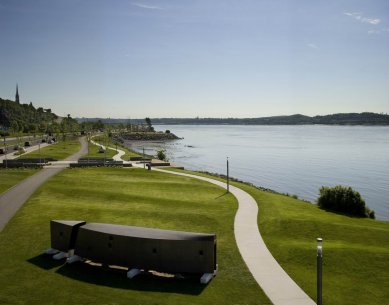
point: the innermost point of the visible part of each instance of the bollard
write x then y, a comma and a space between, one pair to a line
319, 270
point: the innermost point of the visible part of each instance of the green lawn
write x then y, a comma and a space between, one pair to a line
59, 151
10, 177
355, 250
122, 196
94, 152
107, 141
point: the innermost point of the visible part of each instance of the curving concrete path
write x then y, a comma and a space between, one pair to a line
15, 197
270, 276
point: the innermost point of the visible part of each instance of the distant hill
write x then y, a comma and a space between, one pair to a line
364, 118
23, 115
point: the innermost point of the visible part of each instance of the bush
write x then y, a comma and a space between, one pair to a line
161, 155
167, 131
344, 200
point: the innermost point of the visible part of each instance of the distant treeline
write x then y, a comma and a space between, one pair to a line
23, 117
365, 118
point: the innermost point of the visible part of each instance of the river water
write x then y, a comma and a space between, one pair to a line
288, 159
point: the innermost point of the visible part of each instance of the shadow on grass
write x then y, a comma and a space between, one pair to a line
45, 261
116, 278
222, 195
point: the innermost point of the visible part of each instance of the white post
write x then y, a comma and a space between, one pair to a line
319, 270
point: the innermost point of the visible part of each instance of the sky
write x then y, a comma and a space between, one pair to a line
189, 58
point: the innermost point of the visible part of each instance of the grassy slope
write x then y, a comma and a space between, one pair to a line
105, 140
94, 152
10, 177
356, 251
123, 196
59, 151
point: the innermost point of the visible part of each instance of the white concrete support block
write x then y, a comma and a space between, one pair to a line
132, 273
51, 251
59, 256
72, 259
206, 278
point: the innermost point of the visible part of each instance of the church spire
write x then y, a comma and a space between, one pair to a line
17, 94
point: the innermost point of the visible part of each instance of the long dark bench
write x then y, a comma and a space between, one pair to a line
139, 249
96, 162
94, 159
18, 165
27, 162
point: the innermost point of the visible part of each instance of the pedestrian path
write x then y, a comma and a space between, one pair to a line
14, 198
270, 276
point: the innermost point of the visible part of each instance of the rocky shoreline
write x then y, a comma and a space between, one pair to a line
148, 136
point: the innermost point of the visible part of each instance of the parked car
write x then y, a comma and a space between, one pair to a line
26, 144
3, 151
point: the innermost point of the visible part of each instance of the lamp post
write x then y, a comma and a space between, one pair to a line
228, 176
319, 270
144, 162
39, 148
5, 152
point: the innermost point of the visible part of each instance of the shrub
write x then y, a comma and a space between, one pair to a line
344, 200
167, 131
161, 155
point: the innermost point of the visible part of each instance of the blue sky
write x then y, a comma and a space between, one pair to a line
188, 58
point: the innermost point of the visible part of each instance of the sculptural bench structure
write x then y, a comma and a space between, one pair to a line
139, 249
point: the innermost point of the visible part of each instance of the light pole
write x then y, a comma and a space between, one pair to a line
144, 162
228, 177
5, 153
39, 148
319, 270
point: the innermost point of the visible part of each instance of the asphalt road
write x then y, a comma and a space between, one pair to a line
14, 198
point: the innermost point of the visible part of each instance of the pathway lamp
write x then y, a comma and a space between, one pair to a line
319, 270
228, 176
39, 148
5, 152
144, 163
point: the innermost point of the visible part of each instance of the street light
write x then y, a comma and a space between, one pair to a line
144, 162
319, 270
5, 153
228, 177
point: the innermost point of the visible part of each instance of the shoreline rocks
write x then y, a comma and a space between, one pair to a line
148, 136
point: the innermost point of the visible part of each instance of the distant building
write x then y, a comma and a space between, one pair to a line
17, 95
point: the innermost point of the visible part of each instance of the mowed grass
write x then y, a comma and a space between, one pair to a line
130, 197
59, 151
12, 176
94, 152
355, 250
104, 140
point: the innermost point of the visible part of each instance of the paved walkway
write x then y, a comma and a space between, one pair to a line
14, 198
118, 156
273, 280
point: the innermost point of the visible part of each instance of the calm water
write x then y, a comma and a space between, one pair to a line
289, 159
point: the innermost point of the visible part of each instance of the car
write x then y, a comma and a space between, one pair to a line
3, 151
26, 144
43, 140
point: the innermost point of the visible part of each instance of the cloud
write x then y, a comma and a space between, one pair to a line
145, 6
312, 45
373, 32
360, 18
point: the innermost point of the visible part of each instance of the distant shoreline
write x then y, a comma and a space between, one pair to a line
346, 119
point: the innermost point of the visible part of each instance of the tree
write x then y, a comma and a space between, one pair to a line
344, 200
149, 125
